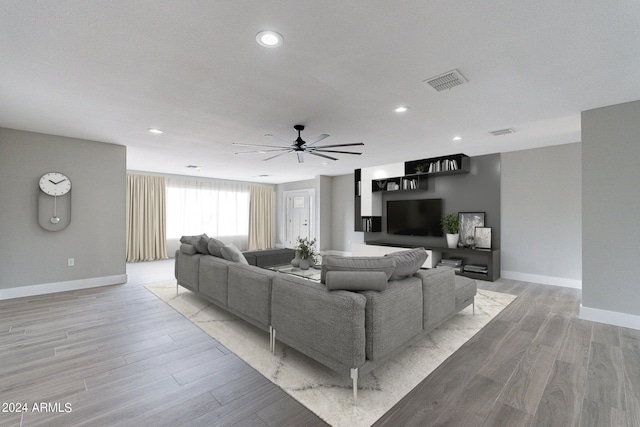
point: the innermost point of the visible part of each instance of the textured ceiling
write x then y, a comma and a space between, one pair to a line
108, 70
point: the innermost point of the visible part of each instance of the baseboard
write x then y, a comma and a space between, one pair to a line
72, 285
545, 280
610, 317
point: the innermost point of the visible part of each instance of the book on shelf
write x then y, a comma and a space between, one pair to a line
453, 262
471, 268
443, 165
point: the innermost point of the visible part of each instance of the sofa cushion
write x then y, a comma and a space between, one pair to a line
249, 292
340, 263
356, 280
215, 246
231, 253
200, 242
392, 317
465, 291
407, 262
187, 248
213, 278
186, 270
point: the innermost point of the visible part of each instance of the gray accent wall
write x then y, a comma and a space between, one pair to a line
476, 191
95, 238
541, 215
611, 208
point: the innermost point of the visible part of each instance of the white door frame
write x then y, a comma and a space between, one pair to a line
288, 194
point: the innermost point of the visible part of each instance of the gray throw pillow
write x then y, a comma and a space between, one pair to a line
231, 253
356, 281
200, 242
340, 263
187, 248
215, 246
407, 262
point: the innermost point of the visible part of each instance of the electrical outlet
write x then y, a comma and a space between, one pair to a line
71, 262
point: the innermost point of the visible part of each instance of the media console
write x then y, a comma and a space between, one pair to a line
488, 257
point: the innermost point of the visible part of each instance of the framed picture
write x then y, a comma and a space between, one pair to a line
468, 223
483, 238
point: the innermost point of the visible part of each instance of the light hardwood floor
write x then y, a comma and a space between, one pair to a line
120, 356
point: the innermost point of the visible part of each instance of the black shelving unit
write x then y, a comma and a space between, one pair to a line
400, 183
444, 165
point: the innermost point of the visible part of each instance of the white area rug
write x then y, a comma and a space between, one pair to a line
324, 392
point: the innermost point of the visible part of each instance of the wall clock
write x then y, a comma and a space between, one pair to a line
54, 201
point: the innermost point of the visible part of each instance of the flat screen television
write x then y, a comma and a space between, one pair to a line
415, 217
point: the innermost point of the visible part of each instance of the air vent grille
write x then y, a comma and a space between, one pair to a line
502, 132
445, 81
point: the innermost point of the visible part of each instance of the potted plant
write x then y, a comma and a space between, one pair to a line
450, 226
307, 252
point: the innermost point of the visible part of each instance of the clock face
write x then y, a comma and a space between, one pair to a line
55, 184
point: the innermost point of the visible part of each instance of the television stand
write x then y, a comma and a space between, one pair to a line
488, 257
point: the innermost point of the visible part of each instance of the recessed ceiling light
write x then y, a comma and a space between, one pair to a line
269, 39
154, 130
324, 163
401, 109
457, 138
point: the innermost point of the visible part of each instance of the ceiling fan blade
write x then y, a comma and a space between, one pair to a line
342, 145
277, 155
318, 139
321, 155
262, 151
277, 138
300, 157
241, 144
332, 151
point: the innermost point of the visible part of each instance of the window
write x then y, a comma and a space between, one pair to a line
198, 205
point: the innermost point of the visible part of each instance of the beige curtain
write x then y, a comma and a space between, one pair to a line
261, 217
146, 218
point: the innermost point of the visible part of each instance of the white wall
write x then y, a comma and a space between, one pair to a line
342, 215
34, 260
541, 215
611, 214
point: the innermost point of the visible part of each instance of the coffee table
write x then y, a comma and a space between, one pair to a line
311, 273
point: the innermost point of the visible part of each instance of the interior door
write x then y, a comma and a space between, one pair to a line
299, 216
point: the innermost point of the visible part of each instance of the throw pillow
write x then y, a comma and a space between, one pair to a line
231, 253
340, 263
356, 281
200, 242
215, 246
407, 262
187, 248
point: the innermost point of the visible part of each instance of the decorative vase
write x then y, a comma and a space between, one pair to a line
452, 240
305, 263
296, 261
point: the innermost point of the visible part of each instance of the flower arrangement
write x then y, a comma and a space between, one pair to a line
307, 249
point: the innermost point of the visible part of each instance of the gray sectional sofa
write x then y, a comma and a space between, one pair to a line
363, 312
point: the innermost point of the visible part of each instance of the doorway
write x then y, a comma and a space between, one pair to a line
299, 212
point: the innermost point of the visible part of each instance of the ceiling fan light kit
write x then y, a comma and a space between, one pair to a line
300, 147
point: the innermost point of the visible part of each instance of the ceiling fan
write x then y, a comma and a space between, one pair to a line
300, 147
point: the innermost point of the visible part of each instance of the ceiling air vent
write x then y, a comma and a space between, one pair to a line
502, 132
445, 81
